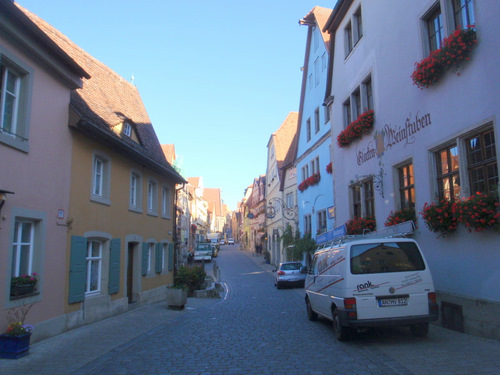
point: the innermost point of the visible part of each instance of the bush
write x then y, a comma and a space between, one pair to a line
190, 276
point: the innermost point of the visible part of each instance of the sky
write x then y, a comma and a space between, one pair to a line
217, 77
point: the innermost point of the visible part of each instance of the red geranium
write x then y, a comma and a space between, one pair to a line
329, 169
478, 212
439, 217
313, 180
362, 125
361, 225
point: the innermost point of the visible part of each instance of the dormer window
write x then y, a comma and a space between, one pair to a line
127, 129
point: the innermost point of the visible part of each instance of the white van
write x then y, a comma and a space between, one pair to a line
371, 282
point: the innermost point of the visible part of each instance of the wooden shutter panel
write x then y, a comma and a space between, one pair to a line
77, 269
144, 258
170, 257
114, 266
158, 258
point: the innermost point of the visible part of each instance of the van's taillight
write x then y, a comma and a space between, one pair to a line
281, 273
432, 298
350, 303
350, 306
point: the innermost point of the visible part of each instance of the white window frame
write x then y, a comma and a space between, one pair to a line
101, 179
164, 252
17, 136
357, 26
127, 129
88, 264
308, 129
290, 200
18, 244
151, 247
317, 124
166, 206
359, 101
152, 197
321, 219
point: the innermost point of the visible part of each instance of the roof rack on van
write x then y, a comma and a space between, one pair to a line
399, 230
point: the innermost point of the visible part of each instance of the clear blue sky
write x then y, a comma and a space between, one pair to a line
217, 77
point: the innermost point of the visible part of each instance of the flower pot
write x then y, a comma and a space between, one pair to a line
13, 347
177, 298
20, 290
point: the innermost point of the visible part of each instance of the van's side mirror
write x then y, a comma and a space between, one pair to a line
303, 269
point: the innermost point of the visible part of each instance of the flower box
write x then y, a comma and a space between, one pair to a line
21, 290
310, 181
356, 129
455, 49
177, 298
14, 347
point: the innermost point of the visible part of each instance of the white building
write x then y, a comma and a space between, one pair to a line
426, 144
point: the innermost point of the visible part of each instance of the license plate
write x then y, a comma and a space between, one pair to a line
387, 302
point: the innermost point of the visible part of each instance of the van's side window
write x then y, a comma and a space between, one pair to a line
314, 265
386, 257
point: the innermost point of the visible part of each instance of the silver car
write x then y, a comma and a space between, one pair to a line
290, 274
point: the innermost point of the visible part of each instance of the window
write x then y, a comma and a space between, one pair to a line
305, 172
135, 202
482, 162
289, 200
152, 197
166, 203
316, 120
151, 247
321, 215
356, 103
133, 189
348, 39
406, 186
23, 247
447, 173
127, 129
434, 24
363, 199
100, 179
307, 224
463, 12
315, 166
94, 265
347, 113
15, 96
328, 108
369, 198
368, 94
358, 26
324, 63
316, 72
308, 129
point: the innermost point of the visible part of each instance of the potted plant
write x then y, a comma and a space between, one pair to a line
15, 342
360, 225
439, 217
356, 129
23, 284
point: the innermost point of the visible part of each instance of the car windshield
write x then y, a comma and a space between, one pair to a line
291, 266
202, 247
386, 257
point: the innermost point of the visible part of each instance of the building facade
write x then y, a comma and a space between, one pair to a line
428, 139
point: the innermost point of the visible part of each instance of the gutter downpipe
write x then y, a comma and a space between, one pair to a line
174, 237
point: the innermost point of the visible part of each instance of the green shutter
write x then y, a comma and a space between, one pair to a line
77, 269
114, 266
158, 258
144, 258
170, 257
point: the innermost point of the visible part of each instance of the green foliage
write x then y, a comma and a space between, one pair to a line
300, 246
190, 276
288, 236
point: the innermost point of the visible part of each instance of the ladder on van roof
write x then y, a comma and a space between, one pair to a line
394, 231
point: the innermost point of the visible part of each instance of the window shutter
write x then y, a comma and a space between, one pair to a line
170, 257
114, 266
144, 258
77, 269
158, 256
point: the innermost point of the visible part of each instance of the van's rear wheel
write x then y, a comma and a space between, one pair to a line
311, 315
340, 332
419, 330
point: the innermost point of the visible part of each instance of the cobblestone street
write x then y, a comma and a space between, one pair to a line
254, 329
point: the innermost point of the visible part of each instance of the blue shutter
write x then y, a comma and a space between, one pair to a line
77, 269
114, 266
170, 257
158, 258
144, 258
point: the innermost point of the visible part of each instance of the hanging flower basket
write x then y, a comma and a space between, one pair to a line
479, 212
439, 217
361, 225
310, 181
356, 129
456, 48
329, 168
397, 217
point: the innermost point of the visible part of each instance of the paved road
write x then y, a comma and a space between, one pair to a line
253, 329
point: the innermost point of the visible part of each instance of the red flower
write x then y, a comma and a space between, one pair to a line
362, 125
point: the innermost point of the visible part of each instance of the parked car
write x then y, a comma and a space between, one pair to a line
290, 274
203, 252
222, 242
230, 241
371, 282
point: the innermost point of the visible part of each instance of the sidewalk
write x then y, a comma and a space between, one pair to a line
69, 351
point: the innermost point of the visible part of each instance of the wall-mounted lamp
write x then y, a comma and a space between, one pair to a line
3, 197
